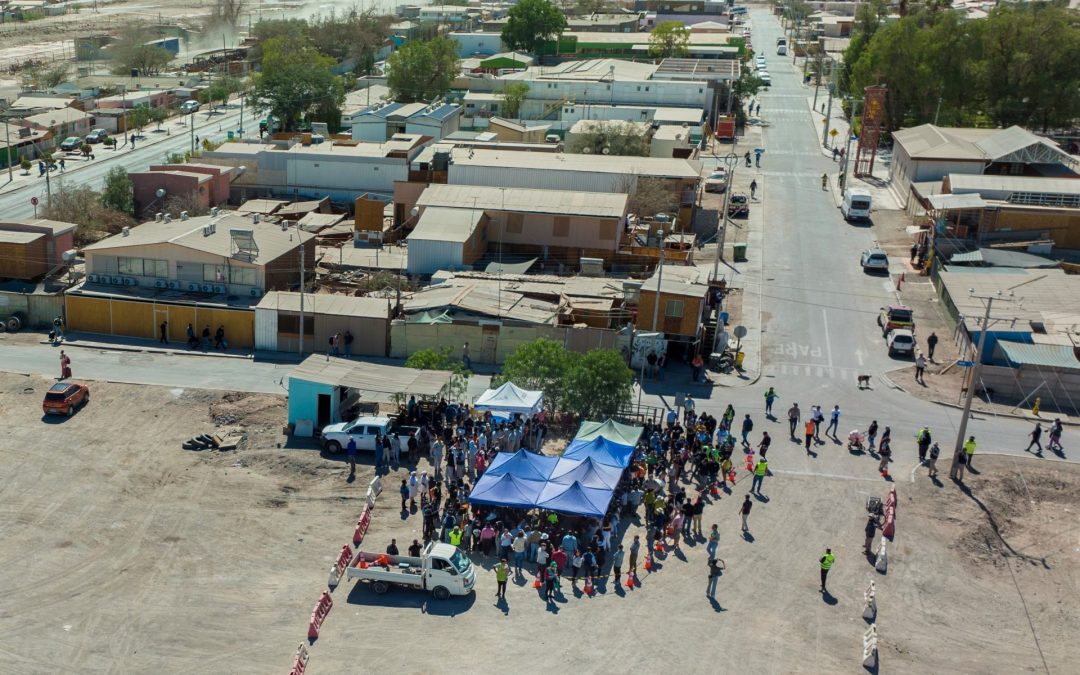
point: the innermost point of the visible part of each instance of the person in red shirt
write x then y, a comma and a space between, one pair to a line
560, 559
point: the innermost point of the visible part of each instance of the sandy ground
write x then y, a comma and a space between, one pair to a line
121, 552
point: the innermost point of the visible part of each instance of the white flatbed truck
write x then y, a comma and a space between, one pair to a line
441, 569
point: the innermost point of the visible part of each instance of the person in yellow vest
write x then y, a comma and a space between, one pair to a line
826, 561
455, 536
760, 470
502, 573
969, 450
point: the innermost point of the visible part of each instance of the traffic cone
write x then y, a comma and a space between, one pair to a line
658, 546
630, 580
714, 490
749, 462
363, 562
588, 586
648, 564
537, 584
731, 475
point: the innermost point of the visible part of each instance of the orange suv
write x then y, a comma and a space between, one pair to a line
64, 397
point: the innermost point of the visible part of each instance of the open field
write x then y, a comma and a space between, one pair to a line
121, 552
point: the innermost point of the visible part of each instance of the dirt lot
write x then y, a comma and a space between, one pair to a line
121, 552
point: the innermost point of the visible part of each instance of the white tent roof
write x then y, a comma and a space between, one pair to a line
511, 398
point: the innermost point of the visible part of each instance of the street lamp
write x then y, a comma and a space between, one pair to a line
731, 160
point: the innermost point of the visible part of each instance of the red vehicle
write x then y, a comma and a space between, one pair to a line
64, 397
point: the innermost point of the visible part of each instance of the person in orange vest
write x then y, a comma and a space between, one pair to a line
810, 426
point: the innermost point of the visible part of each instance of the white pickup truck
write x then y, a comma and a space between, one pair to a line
441, 568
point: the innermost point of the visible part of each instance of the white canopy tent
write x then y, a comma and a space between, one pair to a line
510, 398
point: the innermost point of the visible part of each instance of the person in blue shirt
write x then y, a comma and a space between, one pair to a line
569, 544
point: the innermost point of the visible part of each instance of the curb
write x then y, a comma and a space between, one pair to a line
148, 350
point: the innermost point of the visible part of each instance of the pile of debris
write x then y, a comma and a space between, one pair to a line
215, 442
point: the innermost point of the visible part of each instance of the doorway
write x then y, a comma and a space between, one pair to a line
322, 412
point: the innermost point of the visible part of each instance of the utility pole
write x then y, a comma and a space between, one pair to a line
828, 108
962, 431
7, 141
731, 160
299, 236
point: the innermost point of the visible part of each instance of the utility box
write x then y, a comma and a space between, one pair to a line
740, 252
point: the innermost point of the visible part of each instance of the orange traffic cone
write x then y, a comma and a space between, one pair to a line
537, 584
363, 562
648, 564
588, 586
630, 580
714, 490
731, 475
658, 546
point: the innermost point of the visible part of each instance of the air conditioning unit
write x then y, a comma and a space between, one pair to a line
174, 285
92, 278
207, 288
256, 292
130, 281
116, 281
160, 283
192, 286
219, 289
207, 231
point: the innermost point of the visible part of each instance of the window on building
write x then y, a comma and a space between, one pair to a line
242, 276
607, 230
515, 223
561, 227
214, 273
290, 324
673, 309
143, 267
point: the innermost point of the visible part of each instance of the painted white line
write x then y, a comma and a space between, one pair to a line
828, 344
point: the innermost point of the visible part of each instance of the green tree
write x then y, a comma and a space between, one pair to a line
118, 193
440, 359
157, 116
81, 205
422, 71
669, 39
514, 95
138, 117
612, 138
25, 165
354, 35
599, 384
531, 23
869, 16
540, 365
131, 52
296, 83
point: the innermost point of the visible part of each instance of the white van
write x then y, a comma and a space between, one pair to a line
856, 205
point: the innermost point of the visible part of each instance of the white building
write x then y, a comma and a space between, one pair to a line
378, 124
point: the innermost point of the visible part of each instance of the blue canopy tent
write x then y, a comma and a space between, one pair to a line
601, 451
507, 490
576, 499
586, 471
522, 464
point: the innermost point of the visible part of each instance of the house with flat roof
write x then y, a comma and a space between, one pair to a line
59, 237
462, 226
211, 269
928, 153
278, 323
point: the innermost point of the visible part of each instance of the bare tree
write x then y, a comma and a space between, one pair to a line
226, 12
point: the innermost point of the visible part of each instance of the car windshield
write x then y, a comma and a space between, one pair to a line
54, 396
460, 561
880, 257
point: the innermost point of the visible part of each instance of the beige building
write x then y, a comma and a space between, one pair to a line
460, 226
278, 323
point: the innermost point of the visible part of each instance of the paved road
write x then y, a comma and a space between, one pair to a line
15, 201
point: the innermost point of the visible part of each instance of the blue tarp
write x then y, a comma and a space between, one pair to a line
522, 464
507, 490
601, 451
574, 498
587, 472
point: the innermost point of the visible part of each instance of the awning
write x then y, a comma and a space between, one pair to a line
371, 377
511, 398
951, 202
506, 490
601, 451
1042, 356
575, 499
587, 472
522, 464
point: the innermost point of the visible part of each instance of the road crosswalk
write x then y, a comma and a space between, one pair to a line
819, 372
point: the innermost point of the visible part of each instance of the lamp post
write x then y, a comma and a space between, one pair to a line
731, 160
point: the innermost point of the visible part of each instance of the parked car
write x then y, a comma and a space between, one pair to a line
64, 397
900, 341
188, 107
893, 317
71, 143
363, 430
874, 259
96, 136
738, 205
717, 181
765, 78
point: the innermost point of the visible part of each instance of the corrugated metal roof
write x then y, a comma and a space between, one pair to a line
11, 237
929, 142
444, 224
326, 304
950, 201
1044, 356
483, 300
1007, 141
979, 183
563, 202
1001, 258
371, 377
661, 167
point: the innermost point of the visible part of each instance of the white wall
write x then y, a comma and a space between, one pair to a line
369, 128
427, 256
347, 176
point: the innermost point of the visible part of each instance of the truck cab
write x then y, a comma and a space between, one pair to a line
856, 205
364, 430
